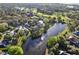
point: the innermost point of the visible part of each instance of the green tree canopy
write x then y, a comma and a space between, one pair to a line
15, 50
3, 27
52, 40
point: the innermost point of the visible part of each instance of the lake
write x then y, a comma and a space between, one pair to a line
37, 46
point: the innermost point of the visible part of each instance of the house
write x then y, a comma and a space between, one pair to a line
3, 53
14, 42
74, 41
27, 25
29, 14
13, 22
2, 46
12, 32
76, 33
6, 41
40, 23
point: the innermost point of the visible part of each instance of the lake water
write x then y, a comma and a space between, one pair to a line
38, 46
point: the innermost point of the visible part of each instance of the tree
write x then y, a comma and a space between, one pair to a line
7, 36
21, 40
15, 50
3, 27
1, 35
63, 43
73, 49
54, 49
37, 32
52, 41
20, 33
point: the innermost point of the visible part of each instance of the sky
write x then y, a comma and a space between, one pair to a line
40, 1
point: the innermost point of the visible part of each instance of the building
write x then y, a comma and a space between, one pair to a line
2, 46
74, 40
40, 23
